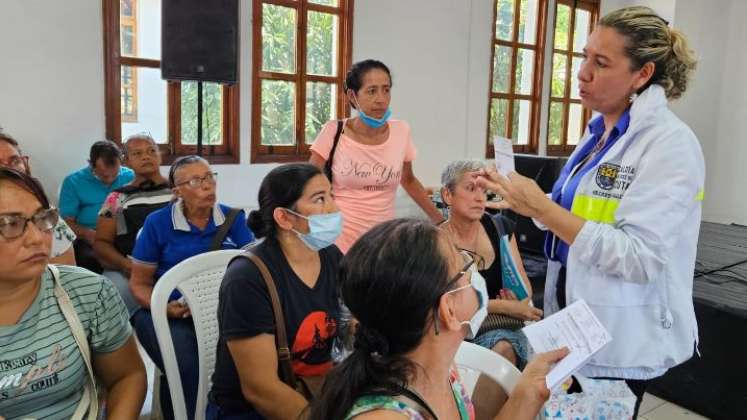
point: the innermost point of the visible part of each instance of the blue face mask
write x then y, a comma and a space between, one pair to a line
324, 229
371, 121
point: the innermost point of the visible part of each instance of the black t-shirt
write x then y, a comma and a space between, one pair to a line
494, 275
245, 310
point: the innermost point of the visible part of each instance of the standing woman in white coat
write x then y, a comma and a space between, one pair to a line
624, 215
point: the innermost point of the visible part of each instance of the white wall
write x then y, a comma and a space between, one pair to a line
716, 104
52, 81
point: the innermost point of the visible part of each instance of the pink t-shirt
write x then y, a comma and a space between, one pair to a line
365, 177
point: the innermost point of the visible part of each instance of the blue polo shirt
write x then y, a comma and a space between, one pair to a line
556, 249
82, 194
167, 238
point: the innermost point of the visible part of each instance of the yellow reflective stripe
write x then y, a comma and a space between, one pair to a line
595, 209
700, 196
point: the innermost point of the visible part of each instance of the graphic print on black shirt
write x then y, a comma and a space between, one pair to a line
310, 353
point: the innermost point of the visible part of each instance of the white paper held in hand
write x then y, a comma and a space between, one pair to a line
504, 155
575, 327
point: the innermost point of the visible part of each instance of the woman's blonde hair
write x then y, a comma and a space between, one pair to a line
649, 38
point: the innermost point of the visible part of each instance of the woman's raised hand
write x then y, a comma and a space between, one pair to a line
519, 193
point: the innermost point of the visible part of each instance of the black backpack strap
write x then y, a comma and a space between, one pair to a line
328, 163
409, 395
220, 235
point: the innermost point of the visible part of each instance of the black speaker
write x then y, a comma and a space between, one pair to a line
544, 170
200, 40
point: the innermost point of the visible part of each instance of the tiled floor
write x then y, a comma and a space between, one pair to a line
654, 408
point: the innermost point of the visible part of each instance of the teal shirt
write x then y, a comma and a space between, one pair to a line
82, 194
42, 372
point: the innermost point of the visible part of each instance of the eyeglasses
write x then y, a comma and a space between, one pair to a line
14, 225
15, 162
196, 182
470, 258
469, 255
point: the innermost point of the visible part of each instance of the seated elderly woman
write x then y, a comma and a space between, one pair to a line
124, 211
191, 225
476, 231
300, 222
416, 298
44, 309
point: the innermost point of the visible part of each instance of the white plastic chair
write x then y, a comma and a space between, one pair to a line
474, 360
198, 278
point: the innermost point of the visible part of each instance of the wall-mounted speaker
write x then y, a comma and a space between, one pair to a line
200, 40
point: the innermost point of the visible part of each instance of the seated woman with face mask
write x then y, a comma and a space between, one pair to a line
416, 298
299, 222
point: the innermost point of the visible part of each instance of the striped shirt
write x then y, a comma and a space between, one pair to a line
42, 372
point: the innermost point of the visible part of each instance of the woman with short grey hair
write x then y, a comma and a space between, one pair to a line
479, 233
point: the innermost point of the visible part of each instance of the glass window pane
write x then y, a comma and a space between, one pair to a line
501, 68
498, 118
524, 72
575, 122
332, 3
212, 113
559, 63
127, 7
521, 118
504, 20
321, 106
278, 38
555, 124
127, 36
321, 44
140, 28
278, 113
581, 29
574, 77
144, 103
562, 26
528, 21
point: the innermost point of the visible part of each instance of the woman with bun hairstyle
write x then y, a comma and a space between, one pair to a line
299, 222
416, 298
624, 215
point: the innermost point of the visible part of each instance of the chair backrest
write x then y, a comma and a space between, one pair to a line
474, 360
198, 278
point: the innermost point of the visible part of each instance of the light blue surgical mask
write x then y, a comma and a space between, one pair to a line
324, 229
371, 121
477, 282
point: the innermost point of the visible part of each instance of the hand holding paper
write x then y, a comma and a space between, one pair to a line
574, 327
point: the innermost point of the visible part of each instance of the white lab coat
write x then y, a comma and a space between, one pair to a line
634, 258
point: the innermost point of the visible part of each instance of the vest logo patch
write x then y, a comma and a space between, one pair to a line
606, 175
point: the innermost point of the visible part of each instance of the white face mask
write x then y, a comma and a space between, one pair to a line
477, 282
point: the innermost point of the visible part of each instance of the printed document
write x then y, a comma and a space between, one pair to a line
574, 327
